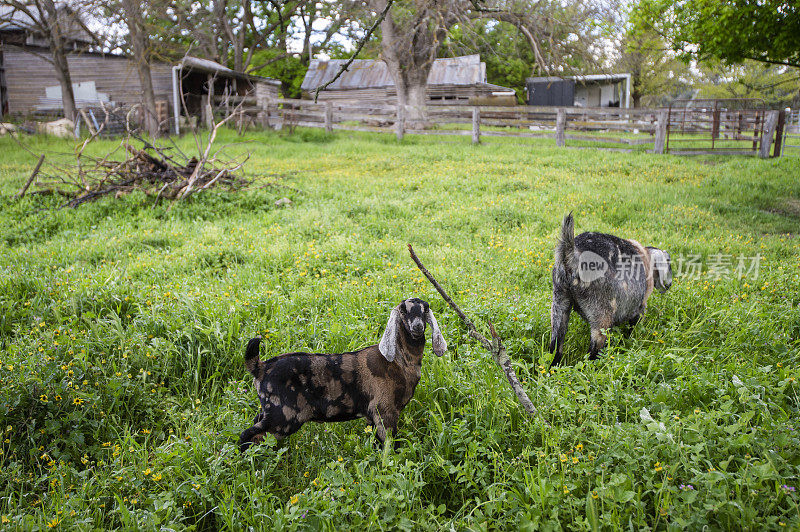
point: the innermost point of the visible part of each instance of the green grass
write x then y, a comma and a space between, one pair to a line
122, 328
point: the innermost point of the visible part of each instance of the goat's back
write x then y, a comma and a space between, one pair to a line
624, 284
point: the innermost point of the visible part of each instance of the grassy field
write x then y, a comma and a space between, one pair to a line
122, 329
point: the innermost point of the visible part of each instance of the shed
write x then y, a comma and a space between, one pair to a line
595, 90
454, 80
31, 86
203, 81
28, 81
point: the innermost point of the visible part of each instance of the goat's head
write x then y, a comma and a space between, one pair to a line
412, 315
662, 269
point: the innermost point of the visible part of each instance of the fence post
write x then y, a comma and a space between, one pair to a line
770, 124
561, 123
476, 125
328, 117
265, 113
661, 131
400, 123
779, 133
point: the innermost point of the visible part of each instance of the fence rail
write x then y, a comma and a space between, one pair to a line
666, 130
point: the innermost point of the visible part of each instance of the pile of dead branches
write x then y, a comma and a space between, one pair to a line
159, 172
164, 173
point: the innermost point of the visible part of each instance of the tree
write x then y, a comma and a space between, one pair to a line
411, 34
658, 75
414, 30
776, 85
134, 12
509, 59
55, 24
732, 30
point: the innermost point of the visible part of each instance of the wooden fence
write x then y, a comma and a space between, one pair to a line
574, 126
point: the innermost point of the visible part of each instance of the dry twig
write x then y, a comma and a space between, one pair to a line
35, 172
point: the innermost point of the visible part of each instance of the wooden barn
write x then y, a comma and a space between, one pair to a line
456, 80
29, 86
28, 81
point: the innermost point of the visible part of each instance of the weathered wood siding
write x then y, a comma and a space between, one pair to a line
28, 74
266, 92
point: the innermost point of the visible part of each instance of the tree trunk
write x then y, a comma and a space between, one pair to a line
409, 69
65, 80
60, 62
133, 17
417, 103
412, 97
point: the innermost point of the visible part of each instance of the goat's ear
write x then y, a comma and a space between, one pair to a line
388, 344
662, 269
437, 340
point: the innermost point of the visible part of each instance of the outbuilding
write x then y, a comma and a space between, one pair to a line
29, 85
594, 90
452, 80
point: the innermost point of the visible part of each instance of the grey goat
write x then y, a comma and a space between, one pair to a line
376, 382
606, 279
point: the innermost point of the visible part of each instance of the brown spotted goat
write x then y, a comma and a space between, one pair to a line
606, 280
374, 383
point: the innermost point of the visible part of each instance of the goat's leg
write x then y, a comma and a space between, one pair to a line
255, 433
269, 422
598, 341
284, 431
559, 322
381, 422
630, 325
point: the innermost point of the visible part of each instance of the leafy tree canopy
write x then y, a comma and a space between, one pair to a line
775, 84
731, 30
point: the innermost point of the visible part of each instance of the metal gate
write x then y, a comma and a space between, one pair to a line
791, 133
727, 125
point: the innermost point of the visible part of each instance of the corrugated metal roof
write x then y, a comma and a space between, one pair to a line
12, 19
601, 77
584, 79
212, 67
373, 73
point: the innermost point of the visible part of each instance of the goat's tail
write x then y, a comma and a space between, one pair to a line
565, 250
251, 358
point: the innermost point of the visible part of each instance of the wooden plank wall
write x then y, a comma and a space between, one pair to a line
28, 73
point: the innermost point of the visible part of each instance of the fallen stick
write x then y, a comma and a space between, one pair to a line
35, 172
495, 347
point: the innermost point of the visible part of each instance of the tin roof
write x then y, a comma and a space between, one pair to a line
197, 64
13, 19
582, 79
373, 73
